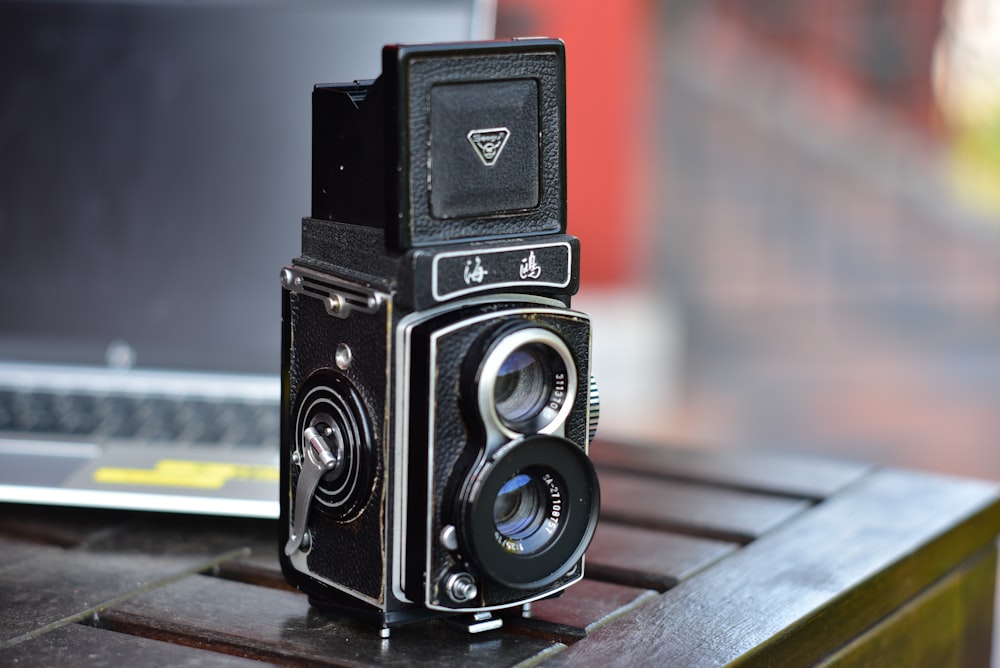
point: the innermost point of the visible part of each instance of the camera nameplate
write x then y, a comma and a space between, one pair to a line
459, 273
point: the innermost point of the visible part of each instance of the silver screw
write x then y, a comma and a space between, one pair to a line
334, 304
344, 356
449, 537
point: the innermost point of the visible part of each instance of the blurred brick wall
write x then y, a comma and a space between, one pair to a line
880, 50
610, 74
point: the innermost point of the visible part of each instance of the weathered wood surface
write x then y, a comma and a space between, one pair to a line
699, 560
924, 631
815, 583
773, 473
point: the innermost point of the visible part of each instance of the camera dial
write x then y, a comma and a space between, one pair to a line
323, 455
332, 452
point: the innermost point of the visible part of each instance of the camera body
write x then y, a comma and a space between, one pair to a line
437, 402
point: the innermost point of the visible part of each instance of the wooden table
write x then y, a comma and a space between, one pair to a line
700, 559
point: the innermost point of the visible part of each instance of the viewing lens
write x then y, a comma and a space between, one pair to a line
526, 383
523, 385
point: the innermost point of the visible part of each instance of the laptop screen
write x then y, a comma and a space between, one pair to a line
154, 167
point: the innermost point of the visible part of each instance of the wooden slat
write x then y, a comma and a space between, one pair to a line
277, 625
589, 605
801, 476
633, 557
950, 624
626, 555
581, 609
260, 565
815, 583
630, 556
66, 527
76, 645
61, 585
64, 586
14, 550
657, 560
179, 534
691, 508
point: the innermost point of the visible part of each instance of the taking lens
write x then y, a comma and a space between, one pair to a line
528, 514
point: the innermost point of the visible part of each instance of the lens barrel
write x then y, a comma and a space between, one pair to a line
529, 512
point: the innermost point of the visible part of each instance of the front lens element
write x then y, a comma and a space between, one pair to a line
517, 510
523, 385
527, 510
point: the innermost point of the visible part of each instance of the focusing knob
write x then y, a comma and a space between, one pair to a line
595, 409
461, 587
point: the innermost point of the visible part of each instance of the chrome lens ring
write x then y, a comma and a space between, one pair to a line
527, 383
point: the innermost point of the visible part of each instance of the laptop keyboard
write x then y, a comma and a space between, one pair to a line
159, 419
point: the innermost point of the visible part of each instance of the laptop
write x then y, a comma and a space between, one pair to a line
154, 168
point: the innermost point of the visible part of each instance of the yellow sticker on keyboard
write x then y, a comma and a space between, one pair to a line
180, 473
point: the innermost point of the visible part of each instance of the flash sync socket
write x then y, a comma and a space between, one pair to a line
526, 383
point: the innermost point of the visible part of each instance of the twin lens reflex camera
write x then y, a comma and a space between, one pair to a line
437, 402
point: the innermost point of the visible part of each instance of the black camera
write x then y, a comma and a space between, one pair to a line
437, 401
